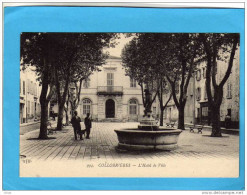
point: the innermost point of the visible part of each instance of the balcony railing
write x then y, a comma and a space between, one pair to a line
110, 90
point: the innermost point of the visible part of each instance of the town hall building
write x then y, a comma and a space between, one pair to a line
110, 95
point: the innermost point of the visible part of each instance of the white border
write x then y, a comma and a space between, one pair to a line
129, 3
122, 3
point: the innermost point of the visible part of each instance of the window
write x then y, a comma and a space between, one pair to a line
205, 93
133, 107
154, 110
132, 82
165, 114
86, 106
23, 87
28, 86
229, 112
198, 113
198, 75
198, 93
229, 90
205, 111
86, 83
110, 79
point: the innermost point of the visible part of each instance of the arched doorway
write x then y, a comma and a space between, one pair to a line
110, 108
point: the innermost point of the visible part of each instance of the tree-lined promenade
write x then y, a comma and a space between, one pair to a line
165, 62
59, 60
161, 62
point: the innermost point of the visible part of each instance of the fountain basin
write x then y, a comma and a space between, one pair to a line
136, 139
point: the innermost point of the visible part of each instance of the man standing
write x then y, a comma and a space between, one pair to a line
88, 125
75, 121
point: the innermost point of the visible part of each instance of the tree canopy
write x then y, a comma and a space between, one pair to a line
62, 58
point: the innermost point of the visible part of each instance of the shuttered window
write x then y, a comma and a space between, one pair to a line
110, 79
132, 82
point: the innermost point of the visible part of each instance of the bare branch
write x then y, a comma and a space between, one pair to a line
215, 51
172, 84
209, 67
230, 64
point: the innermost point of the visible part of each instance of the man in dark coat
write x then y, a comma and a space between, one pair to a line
75, 121
88, 125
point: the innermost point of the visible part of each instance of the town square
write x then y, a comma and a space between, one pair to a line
129, 100
111, 97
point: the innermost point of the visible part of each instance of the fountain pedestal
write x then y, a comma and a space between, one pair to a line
148, 123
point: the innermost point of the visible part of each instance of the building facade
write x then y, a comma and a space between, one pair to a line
110, 95
196, 108
29, 96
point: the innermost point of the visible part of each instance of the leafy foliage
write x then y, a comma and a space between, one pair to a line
155, 57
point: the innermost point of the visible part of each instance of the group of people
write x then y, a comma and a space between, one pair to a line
75, 121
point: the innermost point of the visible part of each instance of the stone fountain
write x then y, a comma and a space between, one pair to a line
148, 135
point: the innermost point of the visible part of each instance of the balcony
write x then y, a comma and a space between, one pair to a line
110, 90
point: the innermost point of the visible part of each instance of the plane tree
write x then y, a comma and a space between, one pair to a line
37, 51
57, 59
80, 54
165, 58
218, 47
137, 66
181, 59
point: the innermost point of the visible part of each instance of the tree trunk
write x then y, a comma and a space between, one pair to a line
181, 117
215, 114
44, 103
67, 117
44, 120
60, 117
161, 117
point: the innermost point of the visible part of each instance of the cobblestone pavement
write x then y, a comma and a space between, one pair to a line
29, 127
101, 146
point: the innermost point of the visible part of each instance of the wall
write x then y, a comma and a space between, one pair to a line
99, 78
29, 95
193, 103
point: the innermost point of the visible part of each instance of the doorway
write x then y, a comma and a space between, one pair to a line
110, 108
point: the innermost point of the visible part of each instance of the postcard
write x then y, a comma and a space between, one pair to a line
109, 98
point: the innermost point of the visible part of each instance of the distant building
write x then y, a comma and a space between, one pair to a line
29, 96
111, 95
196, 108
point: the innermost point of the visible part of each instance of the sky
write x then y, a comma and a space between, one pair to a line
118, 48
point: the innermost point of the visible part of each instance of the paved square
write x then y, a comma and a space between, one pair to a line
196, 153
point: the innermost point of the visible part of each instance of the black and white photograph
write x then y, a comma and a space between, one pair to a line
129, 104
